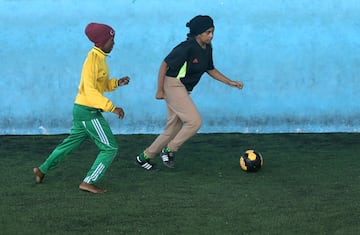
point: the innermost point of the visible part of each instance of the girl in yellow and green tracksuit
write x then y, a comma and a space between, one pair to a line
90, 102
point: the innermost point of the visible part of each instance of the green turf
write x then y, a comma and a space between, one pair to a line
309, 185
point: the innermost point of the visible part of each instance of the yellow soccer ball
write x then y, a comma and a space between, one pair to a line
251, 161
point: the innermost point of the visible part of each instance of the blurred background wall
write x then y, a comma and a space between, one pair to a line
299, 61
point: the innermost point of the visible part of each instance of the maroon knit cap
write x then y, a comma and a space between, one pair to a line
99, 34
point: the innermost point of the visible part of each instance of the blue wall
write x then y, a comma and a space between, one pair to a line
299, 61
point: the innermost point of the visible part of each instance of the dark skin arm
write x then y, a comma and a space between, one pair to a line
160, 94
119, 111
214, 73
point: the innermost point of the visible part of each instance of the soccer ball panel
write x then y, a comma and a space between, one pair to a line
242, 164
251, 155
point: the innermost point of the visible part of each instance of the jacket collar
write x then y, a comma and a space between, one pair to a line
99, 51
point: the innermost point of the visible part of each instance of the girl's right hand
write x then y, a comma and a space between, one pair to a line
120, 112
160, 94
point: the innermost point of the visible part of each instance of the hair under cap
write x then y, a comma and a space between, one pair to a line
99, 34
199, 24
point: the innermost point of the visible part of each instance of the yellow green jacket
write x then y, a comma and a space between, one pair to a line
95, 81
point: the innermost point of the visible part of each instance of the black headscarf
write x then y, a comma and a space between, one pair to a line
199, 24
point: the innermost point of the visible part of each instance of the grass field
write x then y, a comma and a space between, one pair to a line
310, 184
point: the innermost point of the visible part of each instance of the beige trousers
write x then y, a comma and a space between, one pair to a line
183, 118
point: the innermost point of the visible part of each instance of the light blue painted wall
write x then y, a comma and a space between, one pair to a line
299, 61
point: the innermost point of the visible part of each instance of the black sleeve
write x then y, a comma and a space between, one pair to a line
176, 58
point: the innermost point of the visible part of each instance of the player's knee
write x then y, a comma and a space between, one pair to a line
112, 150
115, 149
196, 124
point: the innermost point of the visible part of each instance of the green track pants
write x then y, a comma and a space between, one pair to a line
88, 123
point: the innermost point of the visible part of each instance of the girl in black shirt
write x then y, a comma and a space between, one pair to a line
179, 73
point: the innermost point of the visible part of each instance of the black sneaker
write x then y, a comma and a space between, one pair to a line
168, 158
147, 165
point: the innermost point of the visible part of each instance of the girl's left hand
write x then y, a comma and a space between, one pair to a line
123, 81
237, 84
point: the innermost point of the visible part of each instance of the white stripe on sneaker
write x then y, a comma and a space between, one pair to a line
165, 158
147, 166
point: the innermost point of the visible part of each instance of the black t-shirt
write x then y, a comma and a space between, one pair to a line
188, 61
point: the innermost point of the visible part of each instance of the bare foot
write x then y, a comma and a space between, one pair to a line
90, 188
39, 176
